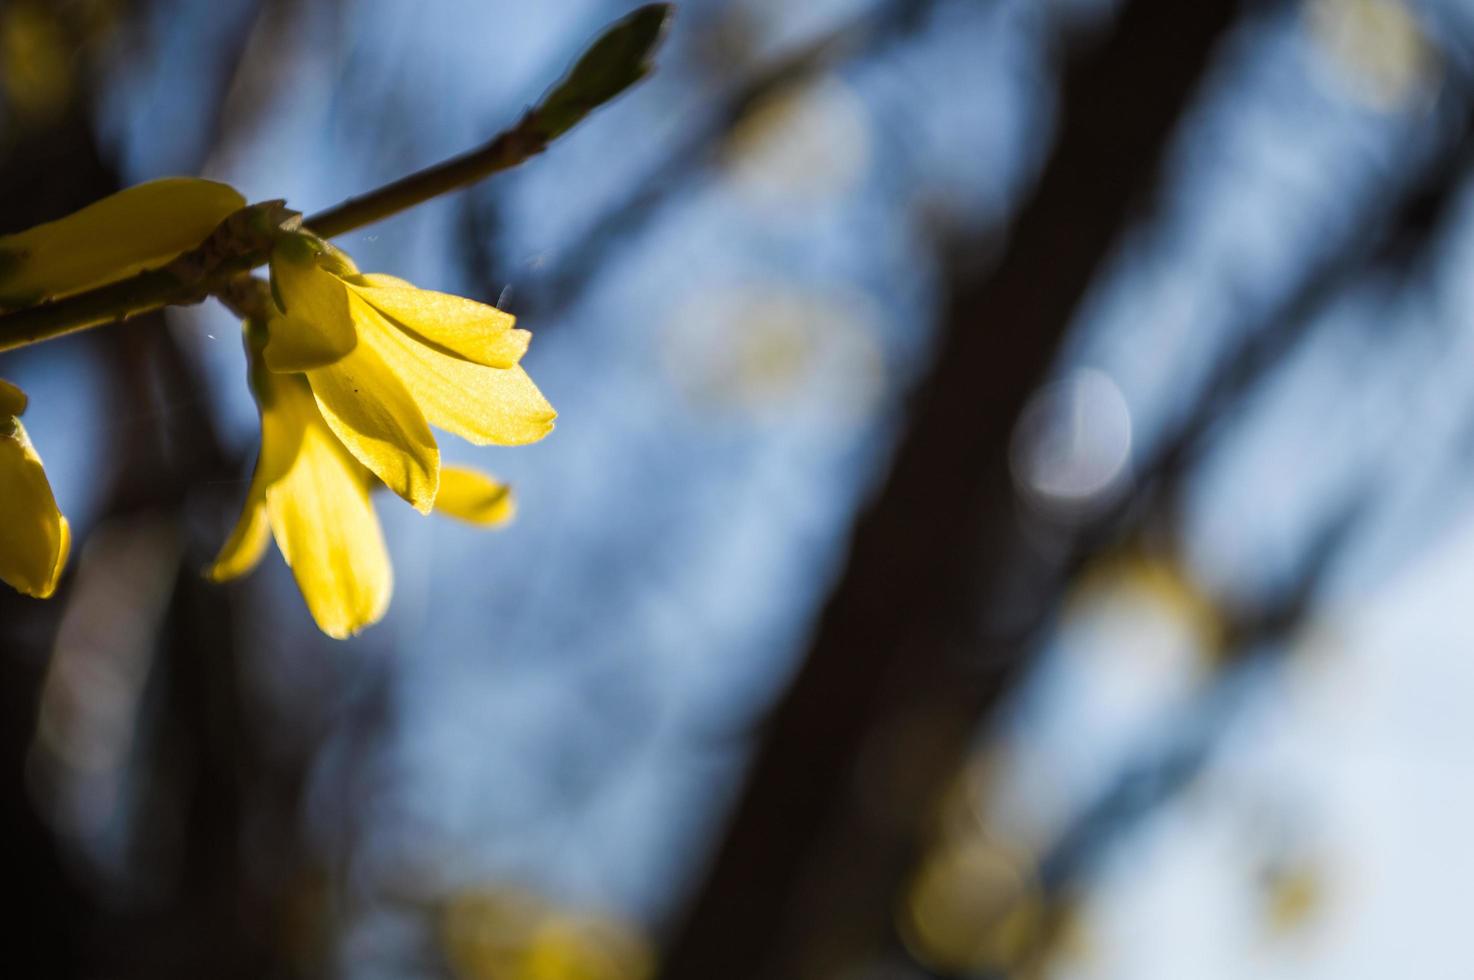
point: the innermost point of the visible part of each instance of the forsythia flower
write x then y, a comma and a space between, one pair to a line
311, 486
34, 536
385, 361
349, 372
136, 229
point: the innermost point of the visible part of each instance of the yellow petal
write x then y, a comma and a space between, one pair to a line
34, 537
325, 524
335, 260
453, 325
296, 345
481, 404
474, 497
317, 328
139, 228
380, 279
242, 551
375, 417
281, 439
59, 565
12, 400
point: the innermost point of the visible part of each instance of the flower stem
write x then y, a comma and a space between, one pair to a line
509, 149
619, 58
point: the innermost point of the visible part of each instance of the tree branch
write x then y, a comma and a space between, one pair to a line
617, 59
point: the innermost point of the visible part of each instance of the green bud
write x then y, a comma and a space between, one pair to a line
618, 59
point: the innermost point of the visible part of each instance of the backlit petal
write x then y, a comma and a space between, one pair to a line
481, 404
139, 228
281, 439
471, 496
242, 551
451, 324
296, 345
379, 279
336, 261
325, 524
34, 537
375, 417
59, 565
12, 400
317, 328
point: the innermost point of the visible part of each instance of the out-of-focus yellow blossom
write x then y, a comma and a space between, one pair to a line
507, 934
140, 228
973, 906
1293, 893
1383, 55
312, 495
37, 62
34, 536
386, 361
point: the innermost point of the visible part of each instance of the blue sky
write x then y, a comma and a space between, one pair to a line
570, 697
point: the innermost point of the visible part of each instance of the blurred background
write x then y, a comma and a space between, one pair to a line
1011, 512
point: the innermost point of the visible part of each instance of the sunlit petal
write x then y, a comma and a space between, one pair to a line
481, 404
296, 345
242, 551
474, 497
380, 279
12, 401
34, 537
325, 525
336, 261
281, 439
59, 564
453, 325
316, 328
139, 228
377, 419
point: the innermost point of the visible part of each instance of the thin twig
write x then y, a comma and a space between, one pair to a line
508, 150
617, 59
557, 287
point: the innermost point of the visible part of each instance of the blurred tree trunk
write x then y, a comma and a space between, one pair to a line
213, 917
929, 623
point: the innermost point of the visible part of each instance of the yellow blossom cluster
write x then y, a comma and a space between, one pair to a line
349, 372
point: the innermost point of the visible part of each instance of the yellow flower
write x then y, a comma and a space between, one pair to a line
386, 361
312, 495
34, 536
140, 228
498, 932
